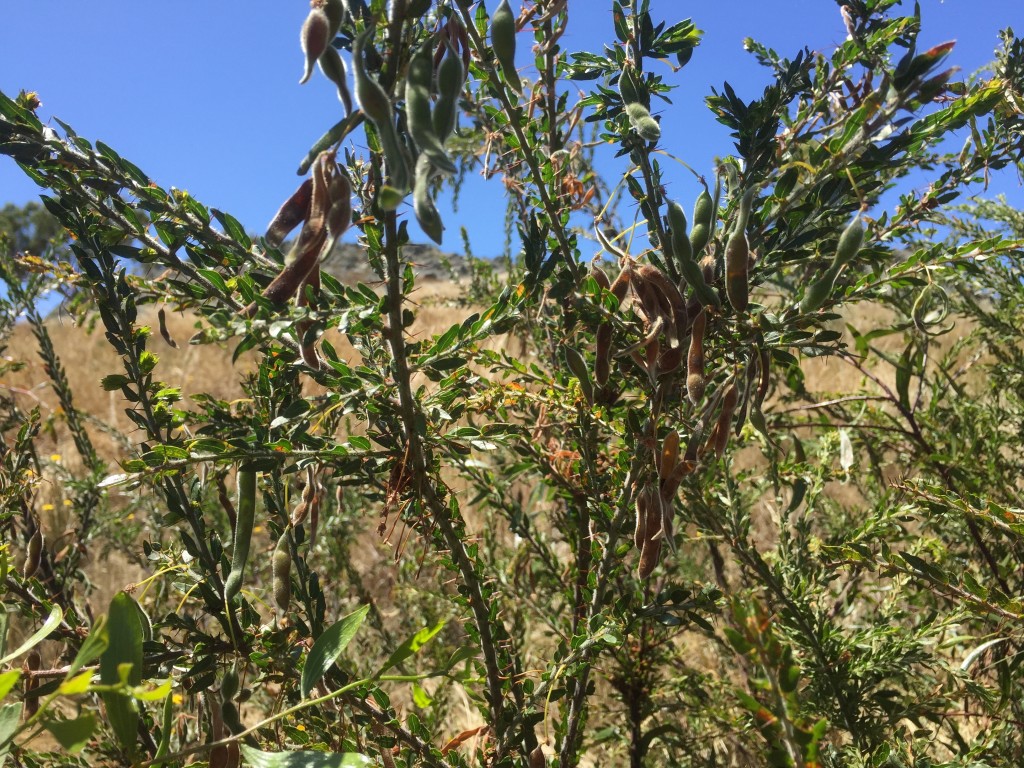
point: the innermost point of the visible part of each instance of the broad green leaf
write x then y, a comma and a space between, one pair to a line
411, 646
122, 661
73, 734
8, 680
328, 648
10, 717
303, 759
75, 685
38, 636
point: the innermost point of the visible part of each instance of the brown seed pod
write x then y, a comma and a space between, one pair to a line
537, 757
668, 296
650, 550
720, 435
315, 39
164, 333
600, 277
642, 504
339, 214
621, 284
668, 457
696, 379
603, 354
294, 211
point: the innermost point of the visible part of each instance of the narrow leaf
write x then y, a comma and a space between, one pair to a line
328, 648
411, 646
303, 759
38, 636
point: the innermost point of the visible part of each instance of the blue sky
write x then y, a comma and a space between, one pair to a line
204, 96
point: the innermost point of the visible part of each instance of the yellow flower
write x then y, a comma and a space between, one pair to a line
54, 457
177, 698
47, 507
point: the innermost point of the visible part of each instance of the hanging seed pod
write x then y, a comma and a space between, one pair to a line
817, 293
621, 285
668, 457
333, 68
603, 354
423, 205
630, 90
335, 11
720, 436
642, 505
417, 109
703, 221
696, 380
339, 212
281, 570
849, 242
373, 100
668, 297
451, 76
245, 510
315, 38
503, 42
537, 757
737, 257
294, 211
682, 250
646, 127
650, 550
34, 554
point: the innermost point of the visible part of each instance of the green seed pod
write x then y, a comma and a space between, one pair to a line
646, 127
817, 293
315, 38
281, 570
629, 87
423, 206
503, 41
681, 247
373, 100
451, 76
229, 684
417, 109
333, 67
696, 380
849, 242
335, 11
416, 8
245, 510
34, 554
694, 275
703, 221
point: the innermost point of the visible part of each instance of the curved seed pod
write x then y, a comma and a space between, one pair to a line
245, 511
451, 76
34, 554
503, 41
417, 109
333, 67
696, 380
536, 759
603, 355
817, 293
695, 277
423, 206
281, 570
849, 242
668, 295
293, 212
646, 127
315, 38
670, 360
703, 221
668, 457
737, 257
621, 284
600, 277
372, 99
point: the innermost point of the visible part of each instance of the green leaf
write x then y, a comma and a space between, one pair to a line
75, 685
10, 717
328, 648
411, 646
8, 680
73, 734
95, 644
303, 759
122, 661
38, 636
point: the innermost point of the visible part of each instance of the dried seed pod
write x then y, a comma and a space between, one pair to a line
600, 277
315, 39
423, 205
669, 298
417, 109
281, 570
294, 211
339, 212
164, 333
737, 257
503, 42
646, 127
33, 555
245, 509
642, 504
668, 457
696, 379
621, 284
720, 436
451, 76
650, 551
536, 759
333, 67
603, 354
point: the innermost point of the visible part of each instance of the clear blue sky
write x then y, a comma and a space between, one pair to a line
204, 96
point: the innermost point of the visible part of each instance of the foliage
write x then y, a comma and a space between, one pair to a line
823, 577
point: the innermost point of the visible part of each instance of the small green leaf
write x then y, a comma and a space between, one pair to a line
8, 680
303, 759
75, 685
411, 646
328, 648
73, 734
